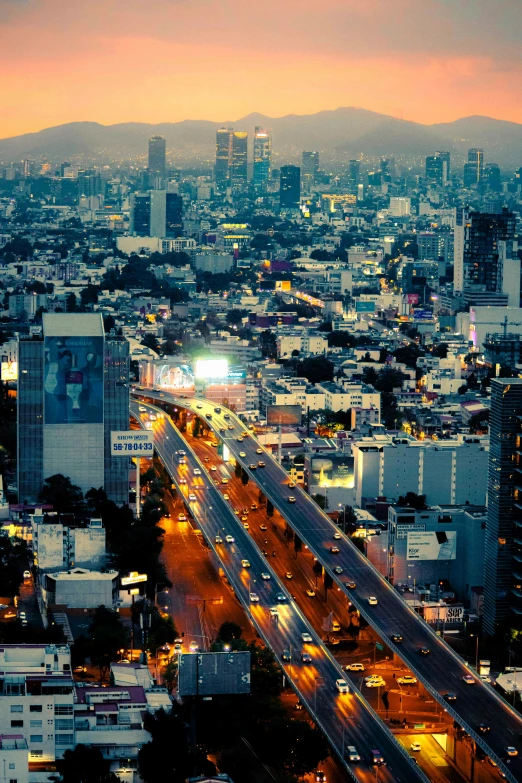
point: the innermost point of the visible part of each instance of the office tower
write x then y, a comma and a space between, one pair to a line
262, 156
290, 187
89, 183
445, 157
502, 580
157, 156
492, 177
474, 168
309, 167
73, 390
354, 175
239, 160
434, 169
166, 214
140, 214
223, 156
400, 206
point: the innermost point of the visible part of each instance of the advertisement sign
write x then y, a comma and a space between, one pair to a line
212, 673
443, 613
283, 415
364, 306
132, 443
73, 380
425, 315
133, 579
402, 530
412, 298
434, 545
211, 368
173, 376
9, 371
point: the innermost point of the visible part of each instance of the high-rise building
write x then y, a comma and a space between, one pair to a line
166, 214
262, 156
239, 161
492, 177
73, 391
485, 245
157, 156
290, 187
89, 183
445, 157
434, 169
309, 167
474, 168
223, 156
354, 175
502, 572
140, 204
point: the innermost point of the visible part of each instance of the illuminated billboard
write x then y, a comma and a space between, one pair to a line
173, 376
73, 380
432, 545
9, 371
364, 306
211, 368
283, 415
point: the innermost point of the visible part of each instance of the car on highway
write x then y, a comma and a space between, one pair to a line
407, 679
218, 540
182, 517
372, 600
230, 426
217, 410
206, 459
254, 598
208, 415
286, 656
142, 409
182, 480
416, 746
310, 593
245, 563
511, 751
291, 484
21, 615
252, 466
450, 697
320, 776
226, 415
240, 439
468, 679
229, 539
245, 434
354, 667
254, 507
306, 657
291, 499
224, 481
226, 496
27, 574
375, 682
192, 497
273, 612
246, 525
289, 575
260, 464
352, 753
350, 584
281, 597
199, 406
377, 757
213, 468
242, 454
298, 705
424, 650
337, 536
342, 686
338, 570
334, 550
259, 451
306, 638
197, 472
483, 728
265, 576
262, 527
244, 518
396, 637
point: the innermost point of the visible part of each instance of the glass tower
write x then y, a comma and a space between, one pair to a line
157, 156
239, 162
290, 187
262, 156
223, 156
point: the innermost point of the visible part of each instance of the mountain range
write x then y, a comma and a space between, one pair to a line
337, 134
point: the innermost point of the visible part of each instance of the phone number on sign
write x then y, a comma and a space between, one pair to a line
132, 447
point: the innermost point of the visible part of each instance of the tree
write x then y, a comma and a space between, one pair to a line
108, 635
70, 303
167, 756
14, 557
229, 631
150, 341
293, 746
85, 764
418, 502
235, 317
440, 350
61, 494
109, 323
320, 500
316, 369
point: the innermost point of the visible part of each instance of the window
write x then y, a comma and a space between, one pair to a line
65, 739
17, 707
35, 708
36, 737
17, 724
63, 709
35, 753
13, 780
35, 724
64, 724
12, 765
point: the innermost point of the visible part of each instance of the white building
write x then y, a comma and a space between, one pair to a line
59, 546
80, 589
399, 206
349, 395
304, 343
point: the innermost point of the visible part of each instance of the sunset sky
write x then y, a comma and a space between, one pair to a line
165, 60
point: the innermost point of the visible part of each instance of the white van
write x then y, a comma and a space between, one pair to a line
351, 753
342, 686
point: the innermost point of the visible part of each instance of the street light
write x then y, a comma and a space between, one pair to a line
476, 649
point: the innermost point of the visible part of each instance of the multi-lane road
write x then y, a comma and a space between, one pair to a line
440, 670
345, 718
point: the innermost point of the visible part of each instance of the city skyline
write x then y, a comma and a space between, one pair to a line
428, 61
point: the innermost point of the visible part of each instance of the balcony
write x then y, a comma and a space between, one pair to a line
117, 736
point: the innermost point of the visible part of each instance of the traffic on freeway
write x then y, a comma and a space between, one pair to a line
432, 661
319, 681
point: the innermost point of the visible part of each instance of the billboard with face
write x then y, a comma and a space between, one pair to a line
73, 380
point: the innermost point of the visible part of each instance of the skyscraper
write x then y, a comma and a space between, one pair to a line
157, 156
446, 166
492, 177
354, 175
290, 187
502, 571
309, 167
140, 214
223, 156
262, 156
474, 168
239, 161
73, 390
434, 169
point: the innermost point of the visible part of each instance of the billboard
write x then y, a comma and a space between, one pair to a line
412, 298
432, 545
173, 376
208, 674
425, 315
364, 306
9, 370
283, 415
131, 443
73, 380
211, 368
